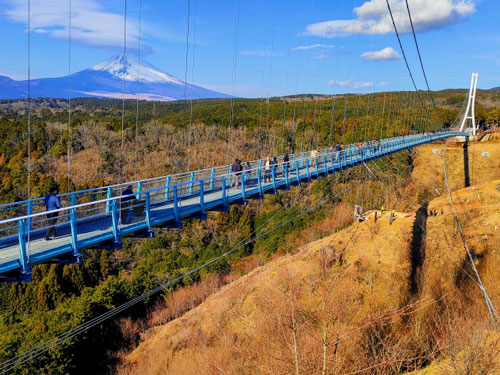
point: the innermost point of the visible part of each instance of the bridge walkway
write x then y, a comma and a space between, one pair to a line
100, 222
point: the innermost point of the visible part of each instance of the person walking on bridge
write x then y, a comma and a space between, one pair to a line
52, 202
127, 203
248, 171
285, 163
338, 149
236, 171
314, 156
267, 169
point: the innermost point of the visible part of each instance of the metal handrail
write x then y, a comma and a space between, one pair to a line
119, 197
176, 175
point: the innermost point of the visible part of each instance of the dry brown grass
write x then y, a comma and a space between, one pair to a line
304, 312
428, 167
343, 304
184, 299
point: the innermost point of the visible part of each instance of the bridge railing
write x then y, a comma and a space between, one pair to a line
35, 205
28, 207
111, 213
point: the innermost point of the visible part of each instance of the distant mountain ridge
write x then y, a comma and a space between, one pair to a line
107, 79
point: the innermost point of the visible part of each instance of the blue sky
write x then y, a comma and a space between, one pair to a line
283, 47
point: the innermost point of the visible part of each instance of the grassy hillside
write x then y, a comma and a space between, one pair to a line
371, 298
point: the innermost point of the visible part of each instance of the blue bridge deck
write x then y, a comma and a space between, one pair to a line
99, 217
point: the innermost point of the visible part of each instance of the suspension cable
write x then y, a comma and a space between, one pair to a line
332, 118
192, 80
419, 55
69, 98
285, 101
346, 102
294, 124
29, 117
186, 66
383, 117
489, 304
235, 66
259, 133
137, 89
124, 61
268, 93
403, 51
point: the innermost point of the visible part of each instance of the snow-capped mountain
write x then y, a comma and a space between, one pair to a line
106, 79
129, 67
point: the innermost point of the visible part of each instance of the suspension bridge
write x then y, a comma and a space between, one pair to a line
101, 217
165, 201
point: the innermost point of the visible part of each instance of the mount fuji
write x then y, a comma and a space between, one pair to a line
107, 80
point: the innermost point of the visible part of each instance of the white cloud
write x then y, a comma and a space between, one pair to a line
358, 85
260, 53
335, 82
372, 17
322, 56
387, 53
313, 46
90, 23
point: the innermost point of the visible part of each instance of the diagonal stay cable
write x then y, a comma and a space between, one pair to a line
403, 53
489, 304
420, 58
418, 50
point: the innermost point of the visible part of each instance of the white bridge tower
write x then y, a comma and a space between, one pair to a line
469, 112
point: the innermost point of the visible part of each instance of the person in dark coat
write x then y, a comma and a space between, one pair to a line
337, 151
52, 202
127, 203
285, 165
236, 172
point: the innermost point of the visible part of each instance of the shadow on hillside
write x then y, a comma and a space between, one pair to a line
417, 247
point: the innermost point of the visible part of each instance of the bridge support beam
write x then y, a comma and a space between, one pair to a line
115, 243
177, 211
466, 162
76, 256
25, 272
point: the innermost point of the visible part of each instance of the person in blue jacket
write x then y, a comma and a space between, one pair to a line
52, 202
